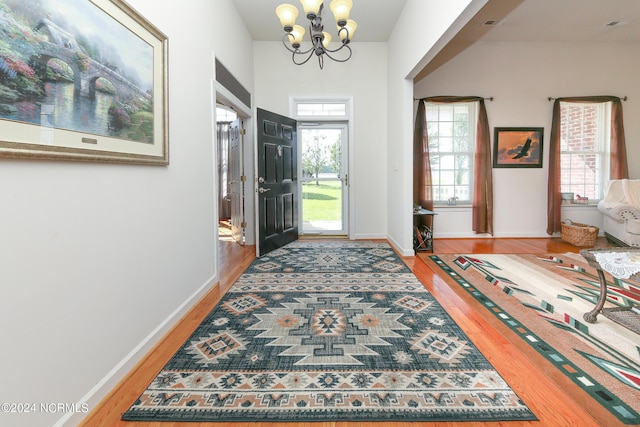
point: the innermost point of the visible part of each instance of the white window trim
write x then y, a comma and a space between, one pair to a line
603, 147
474, 111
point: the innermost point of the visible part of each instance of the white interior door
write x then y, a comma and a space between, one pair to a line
237, 181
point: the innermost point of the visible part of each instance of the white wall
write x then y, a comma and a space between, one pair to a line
95, 257
363, 77
421, 31
521, 76
235, 53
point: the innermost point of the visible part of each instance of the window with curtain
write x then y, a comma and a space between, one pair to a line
584, 148
451, 129
615, 159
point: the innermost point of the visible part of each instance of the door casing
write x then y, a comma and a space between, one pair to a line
348, 118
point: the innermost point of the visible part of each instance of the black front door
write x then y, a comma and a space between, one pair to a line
277, 181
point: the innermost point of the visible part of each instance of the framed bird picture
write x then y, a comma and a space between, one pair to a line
517, 147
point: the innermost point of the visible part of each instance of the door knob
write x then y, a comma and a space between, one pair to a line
263, 190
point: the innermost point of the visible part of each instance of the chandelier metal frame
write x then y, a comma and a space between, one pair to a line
320, 40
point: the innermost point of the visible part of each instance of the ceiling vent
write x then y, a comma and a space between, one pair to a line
491, 22
612, 24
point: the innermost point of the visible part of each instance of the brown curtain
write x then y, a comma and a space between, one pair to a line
618, 165
482, 210
422, 184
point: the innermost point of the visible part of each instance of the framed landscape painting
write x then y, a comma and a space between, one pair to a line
82, 80
517, 147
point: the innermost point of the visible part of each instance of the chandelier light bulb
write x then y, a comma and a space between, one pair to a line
346, 34
341, 10
311, 7
327, 39
297, 33
287, 14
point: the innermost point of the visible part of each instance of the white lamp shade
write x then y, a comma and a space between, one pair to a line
341, 10
311, 7
287, 14
351, 27
298, 34
326, 40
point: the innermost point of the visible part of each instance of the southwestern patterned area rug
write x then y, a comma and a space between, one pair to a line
328, 331
542, 299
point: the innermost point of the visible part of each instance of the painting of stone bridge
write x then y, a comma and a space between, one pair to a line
69, 65
86, 70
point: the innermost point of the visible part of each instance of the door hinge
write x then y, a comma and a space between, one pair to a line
243, 224
243, 131
243, 178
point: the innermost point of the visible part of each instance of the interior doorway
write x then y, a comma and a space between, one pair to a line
231, 175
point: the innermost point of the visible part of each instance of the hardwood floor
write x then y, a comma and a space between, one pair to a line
553, 399
508, 246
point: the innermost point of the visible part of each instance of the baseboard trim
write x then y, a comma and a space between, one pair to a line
367, 236
94, 396
402, 251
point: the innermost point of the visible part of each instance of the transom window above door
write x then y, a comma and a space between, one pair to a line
318, 109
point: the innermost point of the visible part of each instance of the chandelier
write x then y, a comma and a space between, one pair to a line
320, 39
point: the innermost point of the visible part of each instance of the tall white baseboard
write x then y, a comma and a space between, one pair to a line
106, 384
399, 248
367, 236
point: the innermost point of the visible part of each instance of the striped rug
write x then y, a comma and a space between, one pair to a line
542, 299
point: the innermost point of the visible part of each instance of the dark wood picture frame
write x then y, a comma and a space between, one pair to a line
518, 147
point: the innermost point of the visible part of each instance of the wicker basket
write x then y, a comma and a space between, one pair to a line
579, 234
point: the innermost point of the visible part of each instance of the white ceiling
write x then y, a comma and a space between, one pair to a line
577, 21
569, 21
531, 20
375, 18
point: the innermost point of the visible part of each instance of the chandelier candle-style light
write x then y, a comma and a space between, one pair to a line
320, 39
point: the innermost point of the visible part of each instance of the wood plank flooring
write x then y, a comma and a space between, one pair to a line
555, 401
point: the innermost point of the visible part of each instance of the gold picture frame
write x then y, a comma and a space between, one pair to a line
86, 81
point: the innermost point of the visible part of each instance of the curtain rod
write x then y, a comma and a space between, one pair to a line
553, 99
420, 99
